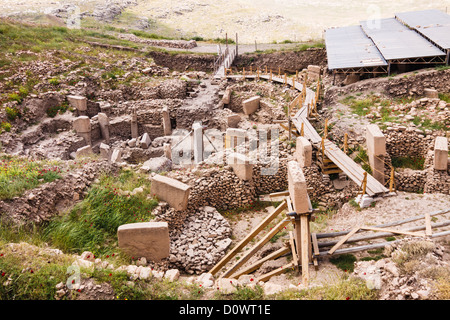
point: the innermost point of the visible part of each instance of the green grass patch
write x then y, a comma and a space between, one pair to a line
92, 224
345, 262
415, 163
20, 174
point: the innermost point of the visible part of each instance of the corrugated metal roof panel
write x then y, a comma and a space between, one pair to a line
433, 24
396, 41
349, 47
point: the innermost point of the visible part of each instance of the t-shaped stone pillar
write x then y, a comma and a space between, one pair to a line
376, 147
82, 125
79, 103
303, 152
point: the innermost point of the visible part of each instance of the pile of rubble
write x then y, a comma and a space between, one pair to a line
407, 271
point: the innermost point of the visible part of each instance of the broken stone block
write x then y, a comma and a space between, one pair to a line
145, 239
158, 164
226, 96
303, 152
78, 102
297, 187
364, 201
167, 150
116, 155
233, 120
351, 78
251, 105
174, 192
441, 153
241, 166
105, 151
84, 151
313, 72
145, 141
431, 93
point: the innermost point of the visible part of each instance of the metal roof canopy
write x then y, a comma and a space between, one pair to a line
432, 24
349, 47
396, 41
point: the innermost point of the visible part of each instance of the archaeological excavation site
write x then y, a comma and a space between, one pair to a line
143, 168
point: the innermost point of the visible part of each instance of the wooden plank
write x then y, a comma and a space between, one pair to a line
248, 238
293, 249
383, 234
414, 234
315, 249
391, 224
275, 272
289, 204
343, 240
258, 263
305, 246
256, 247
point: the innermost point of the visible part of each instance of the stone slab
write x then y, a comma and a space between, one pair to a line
146, 239
145, 141
251, 105
84, 151
431, 93
174, 192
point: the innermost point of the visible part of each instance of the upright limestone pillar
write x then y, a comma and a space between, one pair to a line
376, 149
198, 142
441, 153
166, 121
103, 121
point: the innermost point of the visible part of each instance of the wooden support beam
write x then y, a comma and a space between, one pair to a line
391, 224
343, 240
305, 247
248, 238
293, 249
414, 234
275, 272
315, 249
274, 255
256, 247
383, 234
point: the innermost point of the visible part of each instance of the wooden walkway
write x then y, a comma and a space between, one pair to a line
353, 170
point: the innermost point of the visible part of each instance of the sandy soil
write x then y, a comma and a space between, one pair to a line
263, 21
